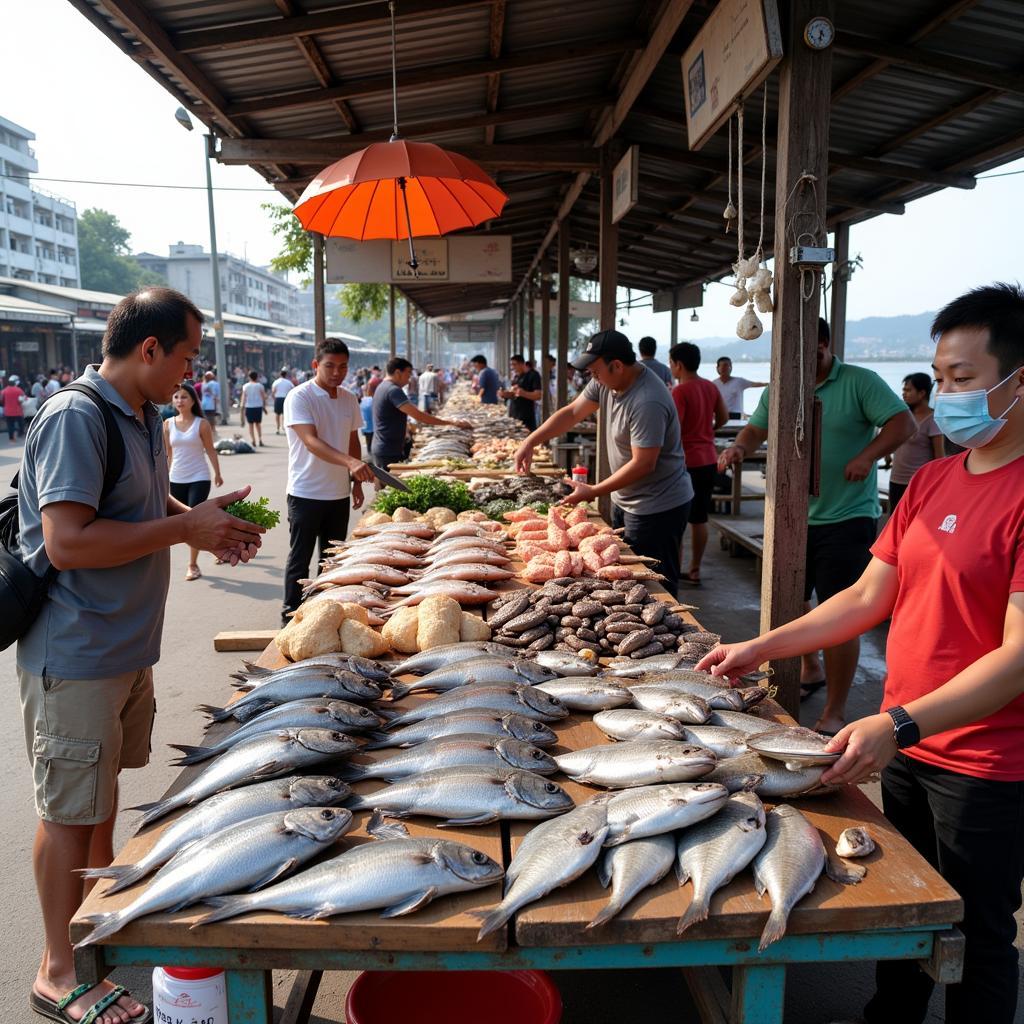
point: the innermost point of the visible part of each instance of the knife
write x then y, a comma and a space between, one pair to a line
386, 478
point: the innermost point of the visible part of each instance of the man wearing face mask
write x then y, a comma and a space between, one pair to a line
862, 421
949, 570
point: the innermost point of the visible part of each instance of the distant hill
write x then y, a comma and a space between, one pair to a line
875, 337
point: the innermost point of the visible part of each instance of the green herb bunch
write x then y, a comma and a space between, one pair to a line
425, 492
258, 512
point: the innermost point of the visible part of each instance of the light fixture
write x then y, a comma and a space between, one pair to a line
585, 259
181, 116
693, 317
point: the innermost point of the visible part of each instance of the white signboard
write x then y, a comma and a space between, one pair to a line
730, 56
459, 259
577, 307
626, 184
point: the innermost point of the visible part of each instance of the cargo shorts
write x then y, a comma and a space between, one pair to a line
80, 733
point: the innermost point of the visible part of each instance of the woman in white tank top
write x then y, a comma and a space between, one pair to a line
188, 439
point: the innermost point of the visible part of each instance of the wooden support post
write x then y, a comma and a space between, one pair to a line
840, 284
531, 332
392, 337
521, 322
608, 269
674, 331
319, 311
545, 331
408, 329
803, 127
562, 385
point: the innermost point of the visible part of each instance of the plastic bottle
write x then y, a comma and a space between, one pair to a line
579, 474
189, 995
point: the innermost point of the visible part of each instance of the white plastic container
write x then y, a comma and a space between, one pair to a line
189, 995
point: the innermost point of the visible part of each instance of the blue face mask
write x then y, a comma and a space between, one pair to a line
964, 418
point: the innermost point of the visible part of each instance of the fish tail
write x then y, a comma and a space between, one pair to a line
118, 871
604, 915
214, 712
491, 919
350, 772
153, 810
774, 929
193, 755
224, 907
380, 740
248, 711
106, 925
400, 690
252, 669
244, 684
697, 911
381, 829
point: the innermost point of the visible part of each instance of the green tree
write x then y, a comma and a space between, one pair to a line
105, 256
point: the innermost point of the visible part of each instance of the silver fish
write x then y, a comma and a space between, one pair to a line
652, 810
364, 596
450, 654
218, 812
638, 668
582, 694
794, 746
717, 697
632, 724
285, 689
475, 571
375, 554
477, 720
260, 757
787, 867
365, 667
401, 875
855, 842
448, 751
338, 715
565, 664
355, 572
397, 541
467, 795
464, 529
309, 669
686, 707
770, 780
725, 742
422, 530
523, 700
631, 868
636, 763
750, 724
554, 854
479, 555
713, 853
484, 670
463, 591
246, 855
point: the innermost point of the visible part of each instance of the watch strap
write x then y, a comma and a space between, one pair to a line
905, 729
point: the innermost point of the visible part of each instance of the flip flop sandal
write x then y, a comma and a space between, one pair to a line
57, 1011
193, 574
808, 690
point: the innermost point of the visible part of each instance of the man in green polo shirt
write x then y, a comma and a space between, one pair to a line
862, 421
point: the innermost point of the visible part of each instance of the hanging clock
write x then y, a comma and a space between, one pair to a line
819, 33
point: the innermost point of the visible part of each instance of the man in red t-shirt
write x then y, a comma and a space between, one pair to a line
701, 411
14, 398
949, 569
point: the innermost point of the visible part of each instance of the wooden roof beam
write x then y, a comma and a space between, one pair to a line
434, 75
494, 81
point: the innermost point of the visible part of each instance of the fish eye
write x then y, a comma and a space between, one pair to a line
327, 815
550, 787
535, 753
479, 858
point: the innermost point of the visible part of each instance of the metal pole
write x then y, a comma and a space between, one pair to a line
391, 314
74, 347
218, 316
408, 329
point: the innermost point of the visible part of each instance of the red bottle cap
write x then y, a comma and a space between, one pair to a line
193, 973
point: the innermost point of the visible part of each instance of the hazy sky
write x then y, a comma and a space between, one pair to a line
97, 116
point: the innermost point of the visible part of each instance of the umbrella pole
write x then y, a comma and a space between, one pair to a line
413, 262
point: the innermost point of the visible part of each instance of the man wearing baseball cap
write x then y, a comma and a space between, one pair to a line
649, 485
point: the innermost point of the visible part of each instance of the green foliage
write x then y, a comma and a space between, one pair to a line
364, 301
296, 253
258, 512
105, 255
496, 509
425, 492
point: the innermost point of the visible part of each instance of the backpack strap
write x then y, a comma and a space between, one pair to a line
114, 462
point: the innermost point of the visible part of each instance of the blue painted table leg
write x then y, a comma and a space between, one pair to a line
758, 994
249, 997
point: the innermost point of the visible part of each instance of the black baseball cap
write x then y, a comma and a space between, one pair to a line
607, 344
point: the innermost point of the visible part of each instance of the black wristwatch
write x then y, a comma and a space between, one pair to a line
905, 730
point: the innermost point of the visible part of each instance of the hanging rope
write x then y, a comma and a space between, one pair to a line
730, 207
759, 252
394, 73
739, 181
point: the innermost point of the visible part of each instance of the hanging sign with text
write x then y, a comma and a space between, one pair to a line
460, 259
626, 184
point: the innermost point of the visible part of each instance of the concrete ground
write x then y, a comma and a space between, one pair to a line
190, 671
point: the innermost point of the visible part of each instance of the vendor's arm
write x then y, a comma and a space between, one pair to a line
641, 464
419, 415
530, 396
554, 426
322, 450
895, 431
980, 690
748, 440
721, 413
355, 451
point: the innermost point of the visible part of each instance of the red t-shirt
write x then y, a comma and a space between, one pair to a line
10, 395
695, 402
957, 542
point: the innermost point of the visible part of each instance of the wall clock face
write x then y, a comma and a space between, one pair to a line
819, 33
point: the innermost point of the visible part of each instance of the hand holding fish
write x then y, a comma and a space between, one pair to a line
868, 745
580, 492
523, 457
733, 660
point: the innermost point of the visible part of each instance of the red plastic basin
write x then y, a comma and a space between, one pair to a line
453, 997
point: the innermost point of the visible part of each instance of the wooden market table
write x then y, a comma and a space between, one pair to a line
902, 910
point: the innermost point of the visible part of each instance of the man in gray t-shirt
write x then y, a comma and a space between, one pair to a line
649, 485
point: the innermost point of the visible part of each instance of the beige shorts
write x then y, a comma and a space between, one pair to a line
80, 733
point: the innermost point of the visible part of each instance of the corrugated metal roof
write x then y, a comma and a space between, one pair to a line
948, 97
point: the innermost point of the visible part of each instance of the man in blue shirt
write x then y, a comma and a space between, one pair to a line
488, 380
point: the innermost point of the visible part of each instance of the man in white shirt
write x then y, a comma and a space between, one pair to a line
732, 388
52, 385
428, 388
279, 389
322, 422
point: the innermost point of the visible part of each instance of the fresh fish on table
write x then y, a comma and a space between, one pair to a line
448, 751
793, 745
464, 529
414, 529
633, 724
710, 855
631, 868
483, 671
652, 810
376, 554
463, 591
260, 757
400, 875
554, 854
475, 572
355, 572
770, 780
748, 723
469, 795
479, 721
449, 654
339, 715
365, 596
721, 740
686, 707
217, 812
246, 855
283, 690
463, 556
365, 667
636, 763
717, 697
309, 669
586, 694
524, 700
565, 664
636, 668
395, 541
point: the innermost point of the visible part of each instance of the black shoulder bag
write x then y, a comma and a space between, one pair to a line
22, 592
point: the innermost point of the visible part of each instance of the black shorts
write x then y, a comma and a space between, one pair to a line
837, 554
703, 480
254, 414
193, 493
279, 406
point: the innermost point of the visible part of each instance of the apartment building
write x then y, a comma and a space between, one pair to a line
245, 289
38, 231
